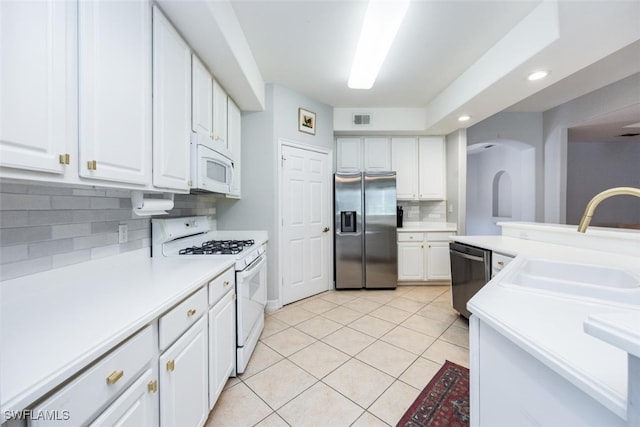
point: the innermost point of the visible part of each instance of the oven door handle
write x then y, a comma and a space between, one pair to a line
465, 256
252, 268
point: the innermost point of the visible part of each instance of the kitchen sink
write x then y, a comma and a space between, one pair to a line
581, 280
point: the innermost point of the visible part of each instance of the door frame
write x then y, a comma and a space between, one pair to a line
274, 305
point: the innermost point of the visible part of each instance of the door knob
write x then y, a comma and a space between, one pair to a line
324, 230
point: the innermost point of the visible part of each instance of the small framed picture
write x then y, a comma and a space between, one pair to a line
306, 121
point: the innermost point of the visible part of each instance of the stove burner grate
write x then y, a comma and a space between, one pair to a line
217, 247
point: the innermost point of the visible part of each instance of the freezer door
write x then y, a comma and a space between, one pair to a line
349, 272
380, 224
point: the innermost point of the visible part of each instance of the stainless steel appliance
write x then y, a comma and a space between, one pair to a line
366, 252
470, 271
193, 237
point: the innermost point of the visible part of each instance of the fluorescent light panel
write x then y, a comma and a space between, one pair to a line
381, 23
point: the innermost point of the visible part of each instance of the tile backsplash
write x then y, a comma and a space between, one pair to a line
44, 227
424, 211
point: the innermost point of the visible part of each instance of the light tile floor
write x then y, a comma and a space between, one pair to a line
345, 358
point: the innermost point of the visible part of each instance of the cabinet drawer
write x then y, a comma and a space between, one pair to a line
179, 318
498, 262
440, 236
85, 395
219, 286
410, 237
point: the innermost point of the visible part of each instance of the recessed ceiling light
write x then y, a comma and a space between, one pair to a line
464, 118
537, 75
381, 24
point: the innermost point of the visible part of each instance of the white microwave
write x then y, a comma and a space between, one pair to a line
210, 170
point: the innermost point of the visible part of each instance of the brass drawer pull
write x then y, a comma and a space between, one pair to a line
226, 283
152, 387
64, 159
92, 165
191, 312
171, 365
500, 263
114, 377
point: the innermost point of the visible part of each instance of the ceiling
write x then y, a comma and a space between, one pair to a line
449, 57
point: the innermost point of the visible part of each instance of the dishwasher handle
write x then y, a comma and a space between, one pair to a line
465, 256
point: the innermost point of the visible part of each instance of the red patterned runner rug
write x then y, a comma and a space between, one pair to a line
443, 402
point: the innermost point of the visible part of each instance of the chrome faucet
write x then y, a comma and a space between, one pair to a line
593, 203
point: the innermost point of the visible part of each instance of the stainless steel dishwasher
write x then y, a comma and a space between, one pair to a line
470, 271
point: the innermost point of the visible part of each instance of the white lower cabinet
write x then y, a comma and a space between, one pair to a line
137, 407
183, 379
424, 256
222, 344
410, 261
106, 380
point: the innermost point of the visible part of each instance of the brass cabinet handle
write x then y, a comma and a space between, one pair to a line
234, 297
171, 365
225, 283
411, 237
64, 159
92, 165
324, 230
191, 312
189, 183
500, 263
114, 377
152, 387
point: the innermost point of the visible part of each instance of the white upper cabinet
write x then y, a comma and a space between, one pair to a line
219, 115
432, 168
404, 161
377, 154
38, 85
115, 90
234, 131
202, 98
171, 106
348, 155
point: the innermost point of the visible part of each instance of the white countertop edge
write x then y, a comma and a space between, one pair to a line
619, 329
416, 227
622, 233
29, 393
607, 397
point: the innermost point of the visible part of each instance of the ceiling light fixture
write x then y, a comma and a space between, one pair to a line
537, 75
464, 118
381, 24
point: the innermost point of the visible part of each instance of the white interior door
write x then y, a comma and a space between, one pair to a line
306, 223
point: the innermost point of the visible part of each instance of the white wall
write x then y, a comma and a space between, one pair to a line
516, 160
596, 166
456, 144
261, 131
610, 98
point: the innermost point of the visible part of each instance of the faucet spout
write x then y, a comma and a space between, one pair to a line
593, 203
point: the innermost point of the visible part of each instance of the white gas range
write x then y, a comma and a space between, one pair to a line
193, 237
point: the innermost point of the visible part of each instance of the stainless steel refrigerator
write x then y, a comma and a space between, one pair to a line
366, 252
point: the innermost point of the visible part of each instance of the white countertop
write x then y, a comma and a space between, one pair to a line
573, 336
56, 322
417, 227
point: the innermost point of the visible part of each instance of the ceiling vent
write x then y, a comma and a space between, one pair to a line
361, 119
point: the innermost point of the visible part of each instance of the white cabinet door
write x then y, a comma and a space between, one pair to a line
222, 345
171, 105
404, 161
234, 132
377, 154
432, 168
348, 155
202, 98
184, 379
438, 264
219, 115
410, 261
38, 85
115, 90
136, 407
